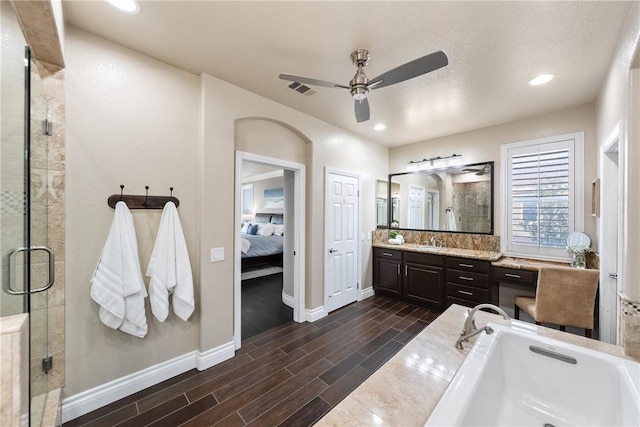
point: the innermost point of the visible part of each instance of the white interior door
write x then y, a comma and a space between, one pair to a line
416, 207
609, 241
341, 243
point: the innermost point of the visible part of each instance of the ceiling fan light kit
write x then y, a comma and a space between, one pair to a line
360, 84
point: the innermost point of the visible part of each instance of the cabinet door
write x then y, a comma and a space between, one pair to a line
387, 276
423, 283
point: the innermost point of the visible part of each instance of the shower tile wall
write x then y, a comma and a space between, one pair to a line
471, 202
48, 187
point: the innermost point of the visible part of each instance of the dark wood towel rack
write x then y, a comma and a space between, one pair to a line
142, 201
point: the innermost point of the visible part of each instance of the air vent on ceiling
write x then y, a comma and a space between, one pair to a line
300, 88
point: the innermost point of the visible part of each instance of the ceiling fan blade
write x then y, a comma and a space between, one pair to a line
412, 69
309, 81
362, 110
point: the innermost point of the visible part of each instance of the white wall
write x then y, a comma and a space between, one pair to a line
483, 145
130, 120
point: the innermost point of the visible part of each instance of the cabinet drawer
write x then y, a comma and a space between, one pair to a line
427, 259
467, 278
468, 264
514, 275
388, 253
467, 293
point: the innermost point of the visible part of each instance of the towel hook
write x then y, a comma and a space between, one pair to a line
146, 195
171, 194
121, 190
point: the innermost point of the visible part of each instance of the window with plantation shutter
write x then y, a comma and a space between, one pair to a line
542, 195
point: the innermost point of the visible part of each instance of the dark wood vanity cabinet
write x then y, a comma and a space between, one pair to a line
468, 281
387, 266
415, 277
423, 278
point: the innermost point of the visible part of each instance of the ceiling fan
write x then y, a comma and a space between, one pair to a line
360, 85
485, 169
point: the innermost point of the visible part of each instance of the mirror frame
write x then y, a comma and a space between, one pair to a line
491, 208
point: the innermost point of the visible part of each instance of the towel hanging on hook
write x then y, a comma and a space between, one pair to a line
142, 202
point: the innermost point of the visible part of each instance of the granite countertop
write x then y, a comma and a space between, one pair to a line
465, 253
406, 389
526, 264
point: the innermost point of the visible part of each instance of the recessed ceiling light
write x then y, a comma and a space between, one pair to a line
541, 79
379, 126
127, 6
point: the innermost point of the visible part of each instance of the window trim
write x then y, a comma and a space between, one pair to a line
575, 143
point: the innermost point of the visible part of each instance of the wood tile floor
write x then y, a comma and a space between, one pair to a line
290, 375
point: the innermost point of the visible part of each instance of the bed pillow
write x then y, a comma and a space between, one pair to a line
245, 228
253, 229
278, 230
265, 229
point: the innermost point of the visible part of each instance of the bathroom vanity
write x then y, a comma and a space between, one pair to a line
433, 277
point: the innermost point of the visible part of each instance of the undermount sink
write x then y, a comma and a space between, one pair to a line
430, 248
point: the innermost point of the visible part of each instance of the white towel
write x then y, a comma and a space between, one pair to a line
451, 221
170, 269
245, 245
117, 283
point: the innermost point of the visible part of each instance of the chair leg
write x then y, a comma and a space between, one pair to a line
588, 333
517, 312
563, 328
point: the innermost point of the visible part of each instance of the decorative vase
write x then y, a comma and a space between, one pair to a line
579, 260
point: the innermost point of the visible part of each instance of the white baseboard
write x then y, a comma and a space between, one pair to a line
316, 314
215, 355
366, 293
97, 397
288, 300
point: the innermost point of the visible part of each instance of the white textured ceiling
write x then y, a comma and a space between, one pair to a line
494, 48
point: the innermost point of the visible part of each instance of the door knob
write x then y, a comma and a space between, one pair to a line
613, 276
333, 251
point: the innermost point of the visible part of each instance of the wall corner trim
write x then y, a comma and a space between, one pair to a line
366, 293
104, 394
288, 300
316, 313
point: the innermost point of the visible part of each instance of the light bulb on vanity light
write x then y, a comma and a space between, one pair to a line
379, 127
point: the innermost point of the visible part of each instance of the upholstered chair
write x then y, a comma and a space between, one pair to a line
564, 296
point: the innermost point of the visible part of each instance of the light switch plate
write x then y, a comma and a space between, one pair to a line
217, 254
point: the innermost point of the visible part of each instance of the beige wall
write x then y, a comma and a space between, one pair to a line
130, 120
613, 106
136, 121
223, 105
483, 145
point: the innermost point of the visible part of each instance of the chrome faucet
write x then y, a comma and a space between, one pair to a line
432, 241
470, 329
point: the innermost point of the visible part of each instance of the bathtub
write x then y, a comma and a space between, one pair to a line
514, 377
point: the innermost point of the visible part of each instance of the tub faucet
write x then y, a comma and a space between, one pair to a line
469, 330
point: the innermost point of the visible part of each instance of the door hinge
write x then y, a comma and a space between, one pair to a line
47, 364
294, 253
47, 127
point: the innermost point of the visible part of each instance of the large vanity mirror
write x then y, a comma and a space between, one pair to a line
455, 199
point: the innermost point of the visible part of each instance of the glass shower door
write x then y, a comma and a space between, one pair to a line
27, 266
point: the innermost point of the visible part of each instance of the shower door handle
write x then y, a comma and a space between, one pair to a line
9, 267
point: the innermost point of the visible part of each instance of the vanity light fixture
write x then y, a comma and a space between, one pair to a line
379, 127
126, 6
541, 79
435, 162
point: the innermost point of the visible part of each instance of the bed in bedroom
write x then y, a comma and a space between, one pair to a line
262, 241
